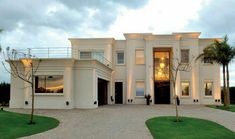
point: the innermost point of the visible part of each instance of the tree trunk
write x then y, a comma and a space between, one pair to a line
32, 88
224, 88
176, 110
228, 91
176, 107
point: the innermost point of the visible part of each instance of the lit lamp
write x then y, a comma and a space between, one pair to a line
27, 62
162, 65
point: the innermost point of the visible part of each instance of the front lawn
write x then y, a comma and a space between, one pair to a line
189, 128
15, 125
229, 108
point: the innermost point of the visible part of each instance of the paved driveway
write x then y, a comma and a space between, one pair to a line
121, 121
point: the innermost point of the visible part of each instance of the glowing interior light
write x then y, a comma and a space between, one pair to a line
162, 65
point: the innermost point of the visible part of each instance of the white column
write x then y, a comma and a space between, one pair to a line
149, 77
68, 86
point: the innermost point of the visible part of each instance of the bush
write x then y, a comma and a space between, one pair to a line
232, 95
4, 94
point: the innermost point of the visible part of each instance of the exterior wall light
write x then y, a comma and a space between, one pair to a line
26, 102
67, 103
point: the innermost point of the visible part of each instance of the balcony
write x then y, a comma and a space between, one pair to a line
57, 52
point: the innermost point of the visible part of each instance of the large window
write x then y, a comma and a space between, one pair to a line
120, 58
139, 56
49, 84
140, 88
185, 88
161, 66
184, 55
208, 85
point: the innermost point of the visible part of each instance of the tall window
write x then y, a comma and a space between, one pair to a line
184, 55
185, 88
120, 58
208, 88
49, 84
139, 88
139, 56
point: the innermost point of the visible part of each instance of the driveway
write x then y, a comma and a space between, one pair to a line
120, 121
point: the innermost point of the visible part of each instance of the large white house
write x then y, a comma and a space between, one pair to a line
100, 71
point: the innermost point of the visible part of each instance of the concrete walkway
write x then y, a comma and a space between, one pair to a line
120, 121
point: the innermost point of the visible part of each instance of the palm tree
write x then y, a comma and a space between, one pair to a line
221, 53
230, 56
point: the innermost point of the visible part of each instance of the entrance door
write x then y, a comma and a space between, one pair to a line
162, 76
162, 92
118, 92
102, 92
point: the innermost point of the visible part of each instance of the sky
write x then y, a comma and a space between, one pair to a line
49, 23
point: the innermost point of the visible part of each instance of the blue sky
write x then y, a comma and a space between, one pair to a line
49, 23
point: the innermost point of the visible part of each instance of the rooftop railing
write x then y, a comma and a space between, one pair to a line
55, 52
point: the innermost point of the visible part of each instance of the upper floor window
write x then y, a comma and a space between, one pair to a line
85, 55
90, 55
139, 57
185, 88
120, 58
184, 55
208, 88
49, 84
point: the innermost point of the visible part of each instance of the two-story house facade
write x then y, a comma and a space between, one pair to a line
100, 71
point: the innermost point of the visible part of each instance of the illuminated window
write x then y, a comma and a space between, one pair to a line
120, 57
161, 66
139, 56
208, 88
140, 88
49, 84
184, 55
185, 88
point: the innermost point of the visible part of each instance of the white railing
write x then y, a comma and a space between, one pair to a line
54, 52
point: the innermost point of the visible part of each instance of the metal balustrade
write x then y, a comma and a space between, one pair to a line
55, 52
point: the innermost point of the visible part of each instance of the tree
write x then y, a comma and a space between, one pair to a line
222, 53
175, 67
170, 72
22, 66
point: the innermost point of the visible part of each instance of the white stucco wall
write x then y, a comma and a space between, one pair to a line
81, 76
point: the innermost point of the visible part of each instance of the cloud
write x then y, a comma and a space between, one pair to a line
216, 19
65, 15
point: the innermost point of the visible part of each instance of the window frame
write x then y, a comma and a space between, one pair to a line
139, 81
85, 52
212, 88
117, 52
139, 49
48, 93
188, 55
189, 89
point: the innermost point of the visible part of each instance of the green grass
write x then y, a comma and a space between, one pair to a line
15, 125
229, 108
189, 128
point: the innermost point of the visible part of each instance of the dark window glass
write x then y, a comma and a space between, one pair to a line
49, 84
